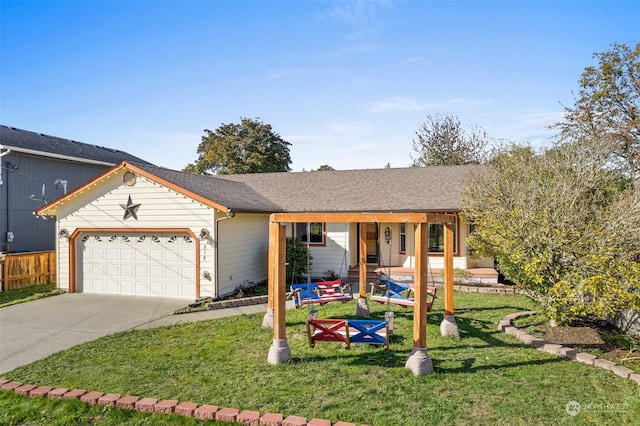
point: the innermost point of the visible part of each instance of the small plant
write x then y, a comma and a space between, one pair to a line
330, 275
298, 261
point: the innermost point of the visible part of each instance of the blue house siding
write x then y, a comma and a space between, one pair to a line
23, 177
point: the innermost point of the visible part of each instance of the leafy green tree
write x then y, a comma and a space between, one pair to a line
442, 141
324, 167
248, 147
607, 107
561, 224
298, 261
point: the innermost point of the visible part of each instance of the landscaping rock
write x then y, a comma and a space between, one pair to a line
206, 412
57, 393
128, 402
294, 421
604, 363
146, 405
570, 353
621, 371
25, 389
166, 406
91, 397
186, 409
109, 399
319, 422
551, 348
40, 391
74, 394
227, 414
11, 385
585, 358
248, 417
271, 419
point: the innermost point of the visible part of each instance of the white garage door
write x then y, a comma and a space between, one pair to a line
140, 264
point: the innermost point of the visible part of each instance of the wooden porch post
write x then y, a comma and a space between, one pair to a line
419, 361
362, 308
448, 326
267, 321
279, 351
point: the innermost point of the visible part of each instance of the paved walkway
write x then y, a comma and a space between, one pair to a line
34, 330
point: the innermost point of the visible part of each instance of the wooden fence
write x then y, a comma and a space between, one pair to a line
21, 270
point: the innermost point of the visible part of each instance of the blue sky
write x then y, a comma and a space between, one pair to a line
347, 83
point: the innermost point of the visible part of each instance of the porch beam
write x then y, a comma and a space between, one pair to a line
350, 217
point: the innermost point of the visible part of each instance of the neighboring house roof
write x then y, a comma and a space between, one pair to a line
50, 146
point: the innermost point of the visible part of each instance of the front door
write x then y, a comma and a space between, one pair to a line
372, 243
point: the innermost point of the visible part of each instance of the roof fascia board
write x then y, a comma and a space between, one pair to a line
177, 188
57, 156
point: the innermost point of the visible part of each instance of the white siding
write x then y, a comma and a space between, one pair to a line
335, 255
244, 251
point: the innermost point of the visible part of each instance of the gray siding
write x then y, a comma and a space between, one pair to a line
16, 213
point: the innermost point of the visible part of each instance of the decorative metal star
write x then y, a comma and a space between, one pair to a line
130, 209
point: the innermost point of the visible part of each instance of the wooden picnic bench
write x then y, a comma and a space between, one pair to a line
347, 331
399, 294
320, 293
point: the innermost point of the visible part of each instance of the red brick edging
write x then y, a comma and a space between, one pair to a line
152, 405
506, 325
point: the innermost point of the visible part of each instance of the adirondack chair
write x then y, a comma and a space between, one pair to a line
400, 294
347, 331
320, 293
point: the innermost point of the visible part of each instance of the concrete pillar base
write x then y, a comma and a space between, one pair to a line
279, 352
449, 327
419, 362
362, 309
267, 321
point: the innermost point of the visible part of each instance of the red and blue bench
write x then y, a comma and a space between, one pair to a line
320, 293
348, 331
400, 294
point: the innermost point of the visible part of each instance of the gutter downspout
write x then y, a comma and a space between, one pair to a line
216, 284
2, 154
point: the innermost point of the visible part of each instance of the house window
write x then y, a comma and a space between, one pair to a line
436, 237
403, 238
314, 232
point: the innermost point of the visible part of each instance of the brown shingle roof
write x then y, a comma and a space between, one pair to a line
415, 189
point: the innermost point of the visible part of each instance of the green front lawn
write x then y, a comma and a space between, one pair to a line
27, 294
486, 377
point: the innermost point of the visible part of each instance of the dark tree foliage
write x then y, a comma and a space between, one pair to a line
607, 107
248, 147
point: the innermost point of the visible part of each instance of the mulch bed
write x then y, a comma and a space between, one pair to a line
591, 334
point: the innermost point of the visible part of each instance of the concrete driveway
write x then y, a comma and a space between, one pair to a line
33, 330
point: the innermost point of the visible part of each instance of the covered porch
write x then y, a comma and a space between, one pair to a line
419, 361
